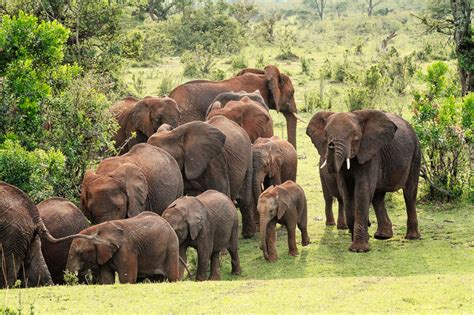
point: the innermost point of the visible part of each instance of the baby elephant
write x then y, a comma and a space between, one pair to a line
285, 204
208, 223
138, 247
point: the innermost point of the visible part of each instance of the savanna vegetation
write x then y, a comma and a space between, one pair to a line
64, 63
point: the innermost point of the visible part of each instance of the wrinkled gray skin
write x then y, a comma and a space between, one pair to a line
62, 218
213, 155
373, 153
145, 178
285, 204
209, 224
144, 246
274, 162
330, 191
20, 246
226, 97
143, 117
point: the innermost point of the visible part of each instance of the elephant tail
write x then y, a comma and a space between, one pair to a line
186, 267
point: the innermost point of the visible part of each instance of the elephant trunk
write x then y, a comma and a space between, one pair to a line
336, 155
291, 128
263, 235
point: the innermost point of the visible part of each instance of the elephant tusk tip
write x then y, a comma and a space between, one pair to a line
348, 163
324, 164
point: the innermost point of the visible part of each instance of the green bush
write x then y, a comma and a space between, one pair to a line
39, 173
198, 62
443, 123
238, 62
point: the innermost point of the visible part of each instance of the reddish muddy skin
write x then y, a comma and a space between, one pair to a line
213, 155
144, 246
62, 218
208, 223
143, 117
274, 162
285, 204
145, 178
248, 114
20, 244
276, 89
384, 156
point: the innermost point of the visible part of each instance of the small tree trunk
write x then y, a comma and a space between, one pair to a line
464, 44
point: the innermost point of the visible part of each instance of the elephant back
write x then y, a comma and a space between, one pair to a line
62, 218
237, 152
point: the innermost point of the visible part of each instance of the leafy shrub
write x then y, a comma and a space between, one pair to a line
198, 62
261, 62
443, 123
368, 90
286, 40
314, 100
305, 65
70, 278
167, 83
39, 173
238, 62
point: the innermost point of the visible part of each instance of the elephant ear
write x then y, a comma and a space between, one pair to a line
214, 106
202, 143
139, 119
107, 243
89, 177
196, 216
377, 131
136, 187
272, 74
315, 131
276, 160
284, 201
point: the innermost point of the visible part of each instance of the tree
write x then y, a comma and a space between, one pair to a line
162, 9
453, 18
371, 4
319, 5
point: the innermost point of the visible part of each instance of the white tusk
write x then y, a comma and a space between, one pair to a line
324, 164
348, 163
263, 187
299, 118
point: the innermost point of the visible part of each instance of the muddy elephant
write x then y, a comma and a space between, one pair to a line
213, 155
21, 227
62, 218
194, 97
144, 246
209, 224
143, 117
274, 162
285, 204
248, 114
145, 178
380, 153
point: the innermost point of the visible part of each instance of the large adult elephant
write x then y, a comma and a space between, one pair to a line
381, 153
143, 117
248, 114
213, 155
62, 218
146, 178
20, 246
194, 97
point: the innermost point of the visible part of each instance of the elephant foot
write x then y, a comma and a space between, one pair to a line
413, 235
305, 242
383, 234
341, 226
272, 258
359, 247
216, 277
330, 222
248, 233
293, 253
237, 271
200, 278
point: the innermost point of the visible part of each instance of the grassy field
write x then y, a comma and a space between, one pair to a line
434, 274
431, 275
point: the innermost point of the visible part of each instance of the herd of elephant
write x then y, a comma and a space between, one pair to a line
186, 162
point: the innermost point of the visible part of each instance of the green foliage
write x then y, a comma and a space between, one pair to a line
286, 39
443, 123
198, 62
305, 66
166, 84
238, 62
40, 173
70, 278
267, 26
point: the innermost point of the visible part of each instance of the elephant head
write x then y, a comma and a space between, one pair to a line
248, 114
267, 160
96, 247
186, 216
120, 194
149, 114
193, 145
226, 97
340, 137
272, 206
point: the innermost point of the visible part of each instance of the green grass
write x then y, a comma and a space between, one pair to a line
434, 274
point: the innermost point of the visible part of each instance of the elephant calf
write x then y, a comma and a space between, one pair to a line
208, 223
284, 204
139, 247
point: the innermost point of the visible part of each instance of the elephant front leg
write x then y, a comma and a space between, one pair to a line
215, 274
341, 218
291, 231
128, 270
248, 223
203, 262
106, 275
360, 236
271, 241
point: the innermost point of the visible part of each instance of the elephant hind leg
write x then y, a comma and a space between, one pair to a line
233, 251
174, 270
384, 225
215, 274
409, 194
